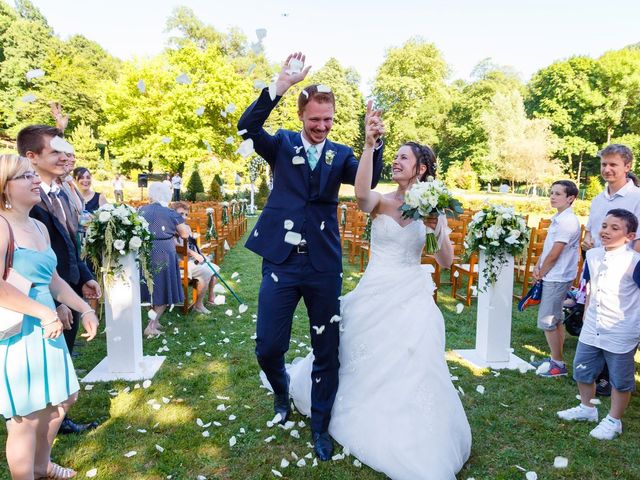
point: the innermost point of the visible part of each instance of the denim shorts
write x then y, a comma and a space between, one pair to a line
550, 309
589, 362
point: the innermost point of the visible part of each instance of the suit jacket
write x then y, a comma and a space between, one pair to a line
290, 198
72, 270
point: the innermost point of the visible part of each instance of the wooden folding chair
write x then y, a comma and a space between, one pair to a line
461, 270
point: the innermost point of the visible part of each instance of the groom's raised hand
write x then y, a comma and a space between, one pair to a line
293, 71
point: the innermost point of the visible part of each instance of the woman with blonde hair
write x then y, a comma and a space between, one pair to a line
38, 384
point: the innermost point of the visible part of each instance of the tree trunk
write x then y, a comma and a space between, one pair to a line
579, 170
609, 134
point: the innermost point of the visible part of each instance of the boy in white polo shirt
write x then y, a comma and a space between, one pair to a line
557, 268
611, 329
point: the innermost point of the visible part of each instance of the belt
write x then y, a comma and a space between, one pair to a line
302, 247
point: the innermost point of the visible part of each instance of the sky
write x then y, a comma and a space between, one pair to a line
524, 34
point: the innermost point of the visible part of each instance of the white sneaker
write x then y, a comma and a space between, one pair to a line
607, 429
579, 413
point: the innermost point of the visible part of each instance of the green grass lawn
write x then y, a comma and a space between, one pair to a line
210, 362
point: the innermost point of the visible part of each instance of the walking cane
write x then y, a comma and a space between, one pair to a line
216, 273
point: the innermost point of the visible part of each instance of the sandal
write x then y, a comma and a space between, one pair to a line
56, 472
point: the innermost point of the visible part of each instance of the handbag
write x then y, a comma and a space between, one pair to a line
10, 320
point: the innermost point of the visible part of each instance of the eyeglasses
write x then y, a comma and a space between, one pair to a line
26, 176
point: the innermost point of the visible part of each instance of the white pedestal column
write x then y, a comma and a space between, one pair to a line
493, 321
124, 359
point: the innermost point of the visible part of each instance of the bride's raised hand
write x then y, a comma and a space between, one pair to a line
292, 72
374, 127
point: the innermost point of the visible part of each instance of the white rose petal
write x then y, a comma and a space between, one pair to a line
298, 160
480, 389
531, 476
274, 276
459, 308
560, 462
183, 79
318, 329
259, 84
130, 454
35, 73
284, 463
159, 448
288, 224
92, 473
146, 383
295, 66
243, 308
219, 300
246, 148
28, 98
293, 238
323, 89
276, 473
322, 225
232, 441
199, 111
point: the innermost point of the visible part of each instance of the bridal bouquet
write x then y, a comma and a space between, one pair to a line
114, 231
498, 231
430, 199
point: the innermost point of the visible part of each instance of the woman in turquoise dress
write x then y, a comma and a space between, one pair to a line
38, 383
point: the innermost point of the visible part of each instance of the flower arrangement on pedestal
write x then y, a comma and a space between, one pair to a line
115, 231
497, 231
430, 199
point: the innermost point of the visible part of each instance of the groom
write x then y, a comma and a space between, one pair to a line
297, 236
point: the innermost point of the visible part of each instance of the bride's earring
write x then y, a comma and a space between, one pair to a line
7, 205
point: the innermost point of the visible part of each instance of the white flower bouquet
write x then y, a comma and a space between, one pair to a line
430, 199
115, 231
497, 230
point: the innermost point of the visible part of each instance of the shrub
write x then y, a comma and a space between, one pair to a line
263, 193
593, 188
202, 197
215, 193
462, 176
194, 186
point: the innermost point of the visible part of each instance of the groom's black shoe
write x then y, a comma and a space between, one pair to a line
68, 426
323, 445
282, 404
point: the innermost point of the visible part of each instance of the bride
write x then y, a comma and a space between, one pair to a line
396, 409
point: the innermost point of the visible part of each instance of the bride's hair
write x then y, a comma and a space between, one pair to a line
424, 156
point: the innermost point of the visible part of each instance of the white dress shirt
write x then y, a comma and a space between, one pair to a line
612, 318
565, 228
628, 197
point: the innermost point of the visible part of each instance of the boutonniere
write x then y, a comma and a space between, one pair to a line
328, 157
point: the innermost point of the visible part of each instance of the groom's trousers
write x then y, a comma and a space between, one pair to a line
282, 287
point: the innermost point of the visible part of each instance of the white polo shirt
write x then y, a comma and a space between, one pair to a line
628, 197
565, 228
612, 318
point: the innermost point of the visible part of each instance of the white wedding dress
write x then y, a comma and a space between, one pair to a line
396, 409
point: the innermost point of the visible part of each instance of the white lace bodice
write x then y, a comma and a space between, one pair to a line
393, 245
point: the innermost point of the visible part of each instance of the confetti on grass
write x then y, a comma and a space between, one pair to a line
560, 462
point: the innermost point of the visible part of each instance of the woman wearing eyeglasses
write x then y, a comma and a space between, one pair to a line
38, 384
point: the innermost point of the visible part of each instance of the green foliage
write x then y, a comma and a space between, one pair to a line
593, 188
520, 148
464, 136
215, 193
194, 186
462, 175
263, 194
410, 89
85, 145
202, 197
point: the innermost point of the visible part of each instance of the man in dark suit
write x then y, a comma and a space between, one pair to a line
297, 236
43, 146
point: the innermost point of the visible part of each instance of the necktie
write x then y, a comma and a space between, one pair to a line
312, 157
58, 212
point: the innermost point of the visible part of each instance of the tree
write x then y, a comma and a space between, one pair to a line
463, 136
194, 186
85, 146
410, 89
520, 149
263, 193
215, 193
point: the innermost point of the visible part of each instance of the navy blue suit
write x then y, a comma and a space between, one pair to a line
309, 199
70, 267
